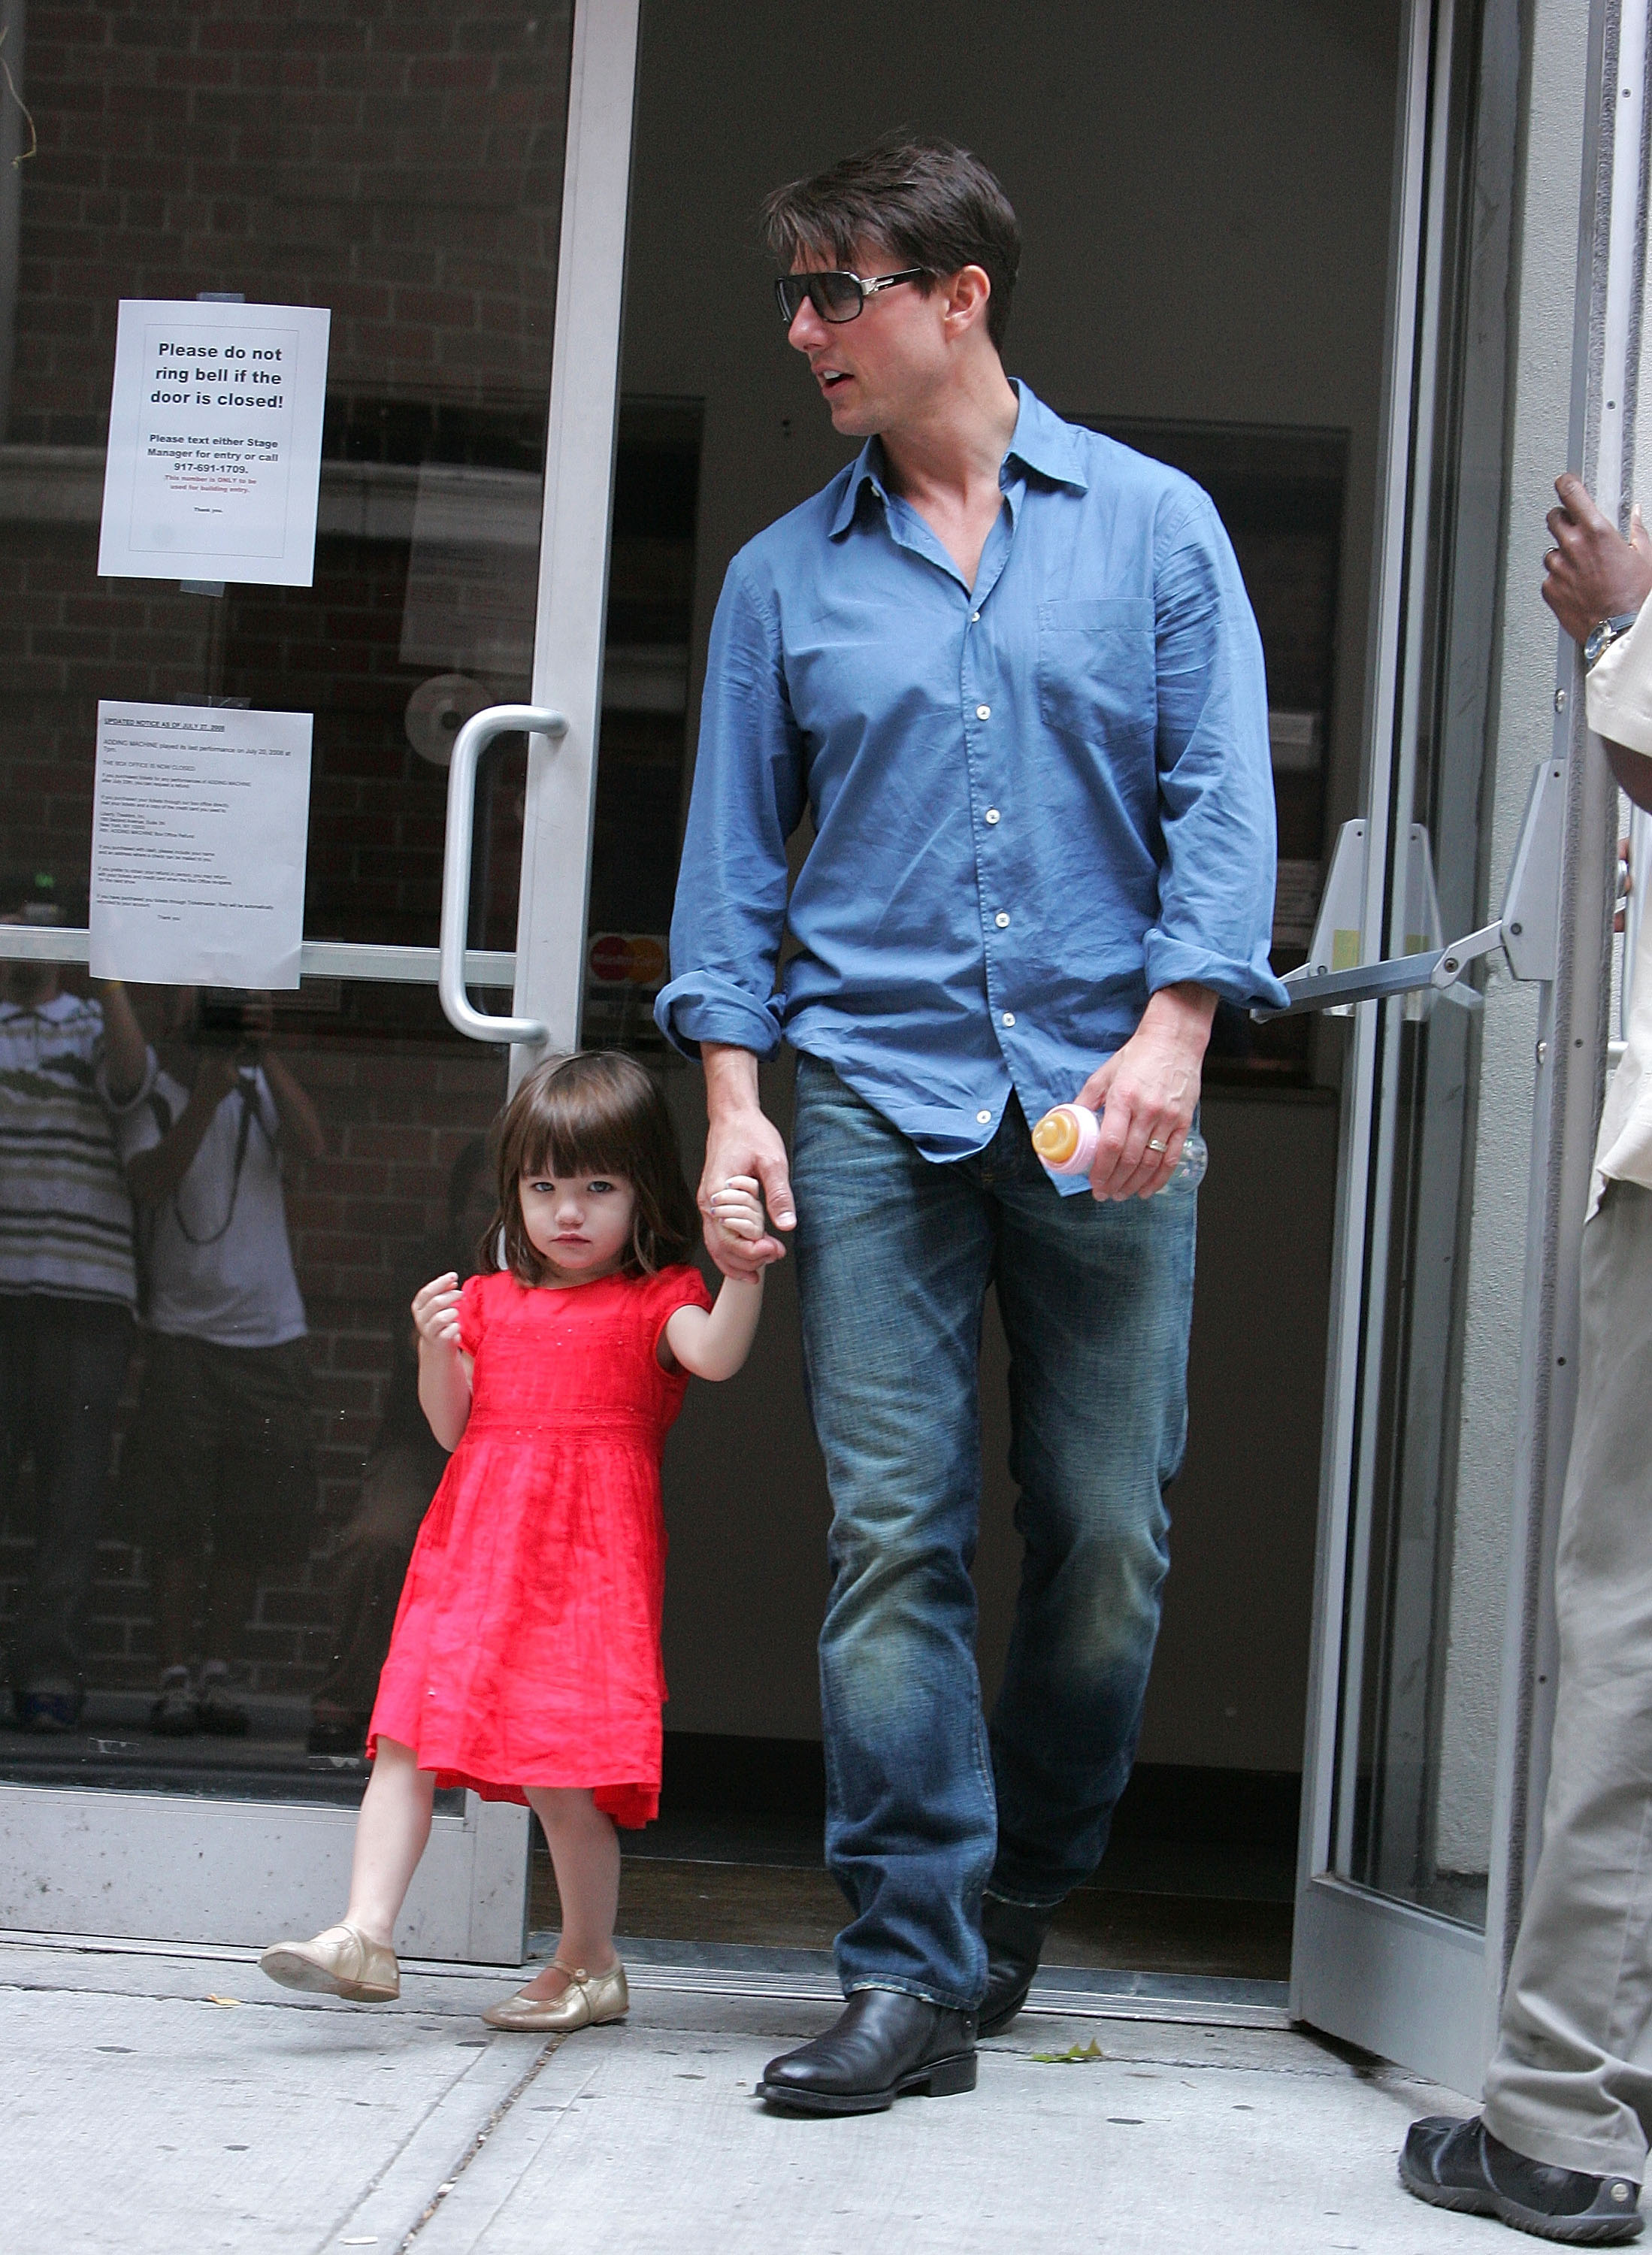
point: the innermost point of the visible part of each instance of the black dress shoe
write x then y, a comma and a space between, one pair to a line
1014, 1939
884, 2042
1460, 2165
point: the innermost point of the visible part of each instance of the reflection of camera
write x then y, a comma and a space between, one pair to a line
222, 1020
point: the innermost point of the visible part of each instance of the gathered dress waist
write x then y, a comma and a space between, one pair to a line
609, 1424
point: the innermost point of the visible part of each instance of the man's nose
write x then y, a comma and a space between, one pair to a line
807, 331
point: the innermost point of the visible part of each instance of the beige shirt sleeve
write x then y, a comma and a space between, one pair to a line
1618, 696
1619, 690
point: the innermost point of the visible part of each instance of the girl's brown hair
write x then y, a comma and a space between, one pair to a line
597, 1112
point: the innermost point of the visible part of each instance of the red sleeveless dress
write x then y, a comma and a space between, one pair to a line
526, 1649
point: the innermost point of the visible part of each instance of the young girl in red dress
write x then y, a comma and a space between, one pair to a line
526, 1659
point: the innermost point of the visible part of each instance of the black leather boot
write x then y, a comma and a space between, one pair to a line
1452, 2164
883, 2043
1014, 1938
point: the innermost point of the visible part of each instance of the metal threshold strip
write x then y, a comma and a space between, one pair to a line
1060, 1991
798, 1977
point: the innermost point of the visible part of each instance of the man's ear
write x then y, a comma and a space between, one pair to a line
966, 293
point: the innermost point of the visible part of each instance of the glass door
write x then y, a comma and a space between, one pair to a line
205, 1514
1467, 1120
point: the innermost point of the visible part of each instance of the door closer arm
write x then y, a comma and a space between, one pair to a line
1527, 931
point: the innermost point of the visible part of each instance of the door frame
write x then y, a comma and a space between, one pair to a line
1400, 1980
160, 1866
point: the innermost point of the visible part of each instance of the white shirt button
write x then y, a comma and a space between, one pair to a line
992, 814
983, 1117
1002, 921
1009, 1017
983, 712
974, 618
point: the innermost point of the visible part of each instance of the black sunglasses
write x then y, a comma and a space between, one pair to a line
835, 296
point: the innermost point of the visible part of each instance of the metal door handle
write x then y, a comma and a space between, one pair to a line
468, 746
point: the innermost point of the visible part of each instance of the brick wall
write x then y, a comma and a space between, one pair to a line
398, 160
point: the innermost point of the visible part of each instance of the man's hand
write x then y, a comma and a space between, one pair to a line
741, 1140
1148, 1092
1593, 572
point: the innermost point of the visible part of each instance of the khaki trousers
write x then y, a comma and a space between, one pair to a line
1572, 2080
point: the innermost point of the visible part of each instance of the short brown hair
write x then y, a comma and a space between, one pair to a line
930, 203
597, 1112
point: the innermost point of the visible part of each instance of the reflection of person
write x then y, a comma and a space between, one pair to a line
67, 1289
526, 1660
1009, 669
219, 1466
403, 1468
1561, 2145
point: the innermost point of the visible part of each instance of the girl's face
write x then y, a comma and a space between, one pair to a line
581, 1223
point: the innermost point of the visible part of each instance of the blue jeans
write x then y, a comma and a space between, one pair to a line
926, 1809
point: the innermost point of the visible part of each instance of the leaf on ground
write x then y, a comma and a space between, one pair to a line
1071, 2057
223, 2000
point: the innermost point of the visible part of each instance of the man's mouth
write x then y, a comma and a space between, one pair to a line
829, 378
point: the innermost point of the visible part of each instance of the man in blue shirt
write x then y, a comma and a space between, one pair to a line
1008, 669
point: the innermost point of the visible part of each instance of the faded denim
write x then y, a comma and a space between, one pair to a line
926, 1807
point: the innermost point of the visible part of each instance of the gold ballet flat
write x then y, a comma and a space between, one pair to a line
340, 1962
588, 2001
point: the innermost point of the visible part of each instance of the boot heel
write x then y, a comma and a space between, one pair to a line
951, 2075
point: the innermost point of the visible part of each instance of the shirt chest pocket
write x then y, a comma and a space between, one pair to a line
1097, 682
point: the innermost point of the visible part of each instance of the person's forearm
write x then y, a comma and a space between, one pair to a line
1184, 1011
444, 1393
716, 1345
1634, 773
155, 1174
125, 1052
731, 1080
297, 1113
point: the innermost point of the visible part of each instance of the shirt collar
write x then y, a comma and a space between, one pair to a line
60, 1007
1040, 442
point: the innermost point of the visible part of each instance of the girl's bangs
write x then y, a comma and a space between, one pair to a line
573, 1132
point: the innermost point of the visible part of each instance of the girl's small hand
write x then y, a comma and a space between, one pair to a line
436, 1311
738, 1208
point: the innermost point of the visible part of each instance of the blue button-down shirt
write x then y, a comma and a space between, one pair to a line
1034, 803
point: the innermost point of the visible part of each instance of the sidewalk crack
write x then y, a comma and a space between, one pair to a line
523, 2083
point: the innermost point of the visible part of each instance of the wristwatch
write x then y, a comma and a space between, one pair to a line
1602, 636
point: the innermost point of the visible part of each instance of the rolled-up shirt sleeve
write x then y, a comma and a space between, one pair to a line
1216, 885
747, 800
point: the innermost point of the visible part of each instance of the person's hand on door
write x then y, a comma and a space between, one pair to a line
1593, 572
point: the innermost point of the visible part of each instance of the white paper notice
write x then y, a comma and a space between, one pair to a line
215, 442
200, 819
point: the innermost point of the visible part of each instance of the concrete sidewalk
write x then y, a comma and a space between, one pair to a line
168, 2102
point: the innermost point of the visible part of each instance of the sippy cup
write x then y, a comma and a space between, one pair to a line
1065, 1141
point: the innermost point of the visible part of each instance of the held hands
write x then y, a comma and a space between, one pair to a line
436, 1311
1593, 572
1148, 1092
737, 1209
743, 1145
